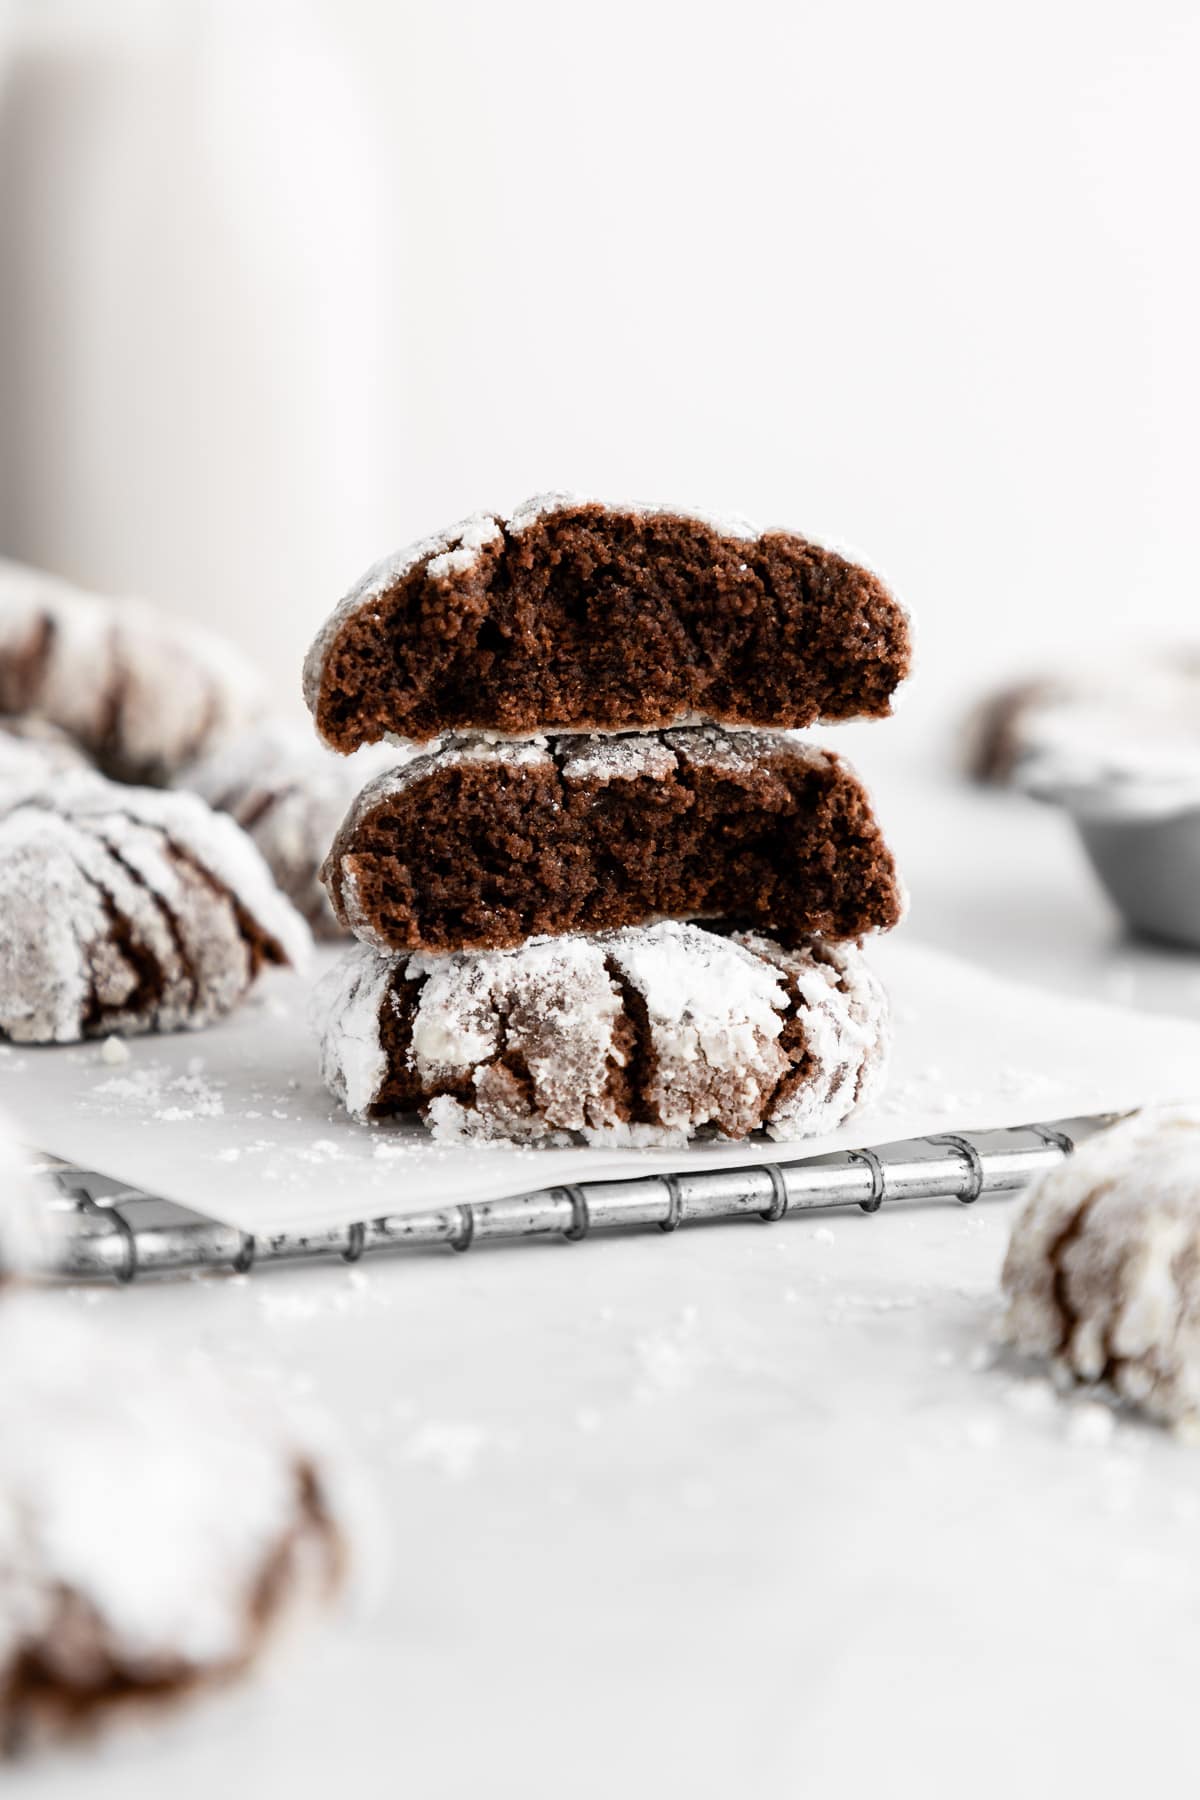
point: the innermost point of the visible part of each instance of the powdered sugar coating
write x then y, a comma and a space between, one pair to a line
141, 690
31, 750
542, 506
447, 548
129, 909
847, 1025
1103, 1268
154, 1522
645, 1035
289, 794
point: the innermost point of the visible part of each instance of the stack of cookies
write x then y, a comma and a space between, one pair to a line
603, 694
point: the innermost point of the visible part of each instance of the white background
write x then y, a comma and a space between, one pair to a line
919, 280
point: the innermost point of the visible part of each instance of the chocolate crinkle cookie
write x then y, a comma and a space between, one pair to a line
128, 910
573, 615
157, 1526
481, 846
289, 793
642, 1036
32, 748
1130, 722
141, 691
1103, 1270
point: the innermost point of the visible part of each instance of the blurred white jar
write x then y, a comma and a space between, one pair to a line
192, 299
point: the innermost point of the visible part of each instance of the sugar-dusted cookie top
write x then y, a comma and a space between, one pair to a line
128, 909
640, 1036
573, 615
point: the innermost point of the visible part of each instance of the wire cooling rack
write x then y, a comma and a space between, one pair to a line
104, 1229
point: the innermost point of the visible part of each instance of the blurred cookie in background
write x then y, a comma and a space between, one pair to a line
1138, 704
128, 909
158, 1524
140, 690
1102, 1275
1119, 752
31, 750
290, 794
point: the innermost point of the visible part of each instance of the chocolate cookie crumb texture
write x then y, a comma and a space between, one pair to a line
576, 616
483, 846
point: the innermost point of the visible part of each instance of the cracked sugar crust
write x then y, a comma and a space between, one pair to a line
641, 1036
573, 615
143, 692
1103, 1269
157, 1526
289, 793
129, 910
482, 846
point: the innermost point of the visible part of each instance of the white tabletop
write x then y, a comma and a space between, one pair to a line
746, 1510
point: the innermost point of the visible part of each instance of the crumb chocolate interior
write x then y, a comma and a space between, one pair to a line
483, 854
592, 617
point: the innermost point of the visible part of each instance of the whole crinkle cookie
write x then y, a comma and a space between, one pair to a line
575, 615
128, 909
641, 1036
1103, 1271
157, 1525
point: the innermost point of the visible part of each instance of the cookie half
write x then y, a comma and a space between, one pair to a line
577, 616
642, 1036
482, 846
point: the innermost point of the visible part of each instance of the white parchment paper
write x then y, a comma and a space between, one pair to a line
234, 1122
